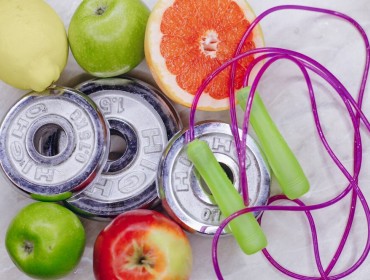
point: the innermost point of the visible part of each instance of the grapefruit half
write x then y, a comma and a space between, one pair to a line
186, 40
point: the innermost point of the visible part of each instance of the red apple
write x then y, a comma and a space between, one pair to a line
142, 244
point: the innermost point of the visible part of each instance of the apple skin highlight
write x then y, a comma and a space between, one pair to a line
142, 244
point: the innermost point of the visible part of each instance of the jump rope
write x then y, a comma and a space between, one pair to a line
270, 55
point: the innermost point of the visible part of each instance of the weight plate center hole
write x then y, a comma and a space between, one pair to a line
50, 140
118, 145
228, 172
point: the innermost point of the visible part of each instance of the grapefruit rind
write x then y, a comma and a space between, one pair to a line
157, 64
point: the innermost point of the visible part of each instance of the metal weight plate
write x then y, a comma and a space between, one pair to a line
143, 120
186, 197
53, 143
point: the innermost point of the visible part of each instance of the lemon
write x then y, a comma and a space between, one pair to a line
33, 44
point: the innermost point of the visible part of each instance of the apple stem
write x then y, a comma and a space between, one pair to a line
28, 247
143, 261
99, 11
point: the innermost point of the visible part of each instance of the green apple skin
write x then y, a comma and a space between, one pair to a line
107, 37
45, 240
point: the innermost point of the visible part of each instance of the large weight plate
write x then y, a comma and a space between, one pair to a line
186, 197
53, 143
144, 120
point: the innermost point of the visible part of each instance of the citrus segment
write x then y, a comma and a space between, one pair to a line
186, 40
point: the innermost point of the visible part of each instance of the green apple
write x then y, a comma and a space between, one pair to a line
45, 240
107, 37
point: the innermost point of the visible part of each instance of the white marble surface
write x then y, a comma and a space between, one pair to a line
334, 44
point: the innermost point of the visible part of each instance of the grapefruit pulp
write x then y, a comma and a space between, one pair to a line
186, 40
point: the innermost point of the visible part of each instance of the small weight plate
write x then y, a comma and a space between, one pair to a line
184, 194
143, 120
53, 143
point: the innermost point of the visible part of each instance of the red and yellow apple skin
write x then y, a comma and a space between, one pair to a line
142, 244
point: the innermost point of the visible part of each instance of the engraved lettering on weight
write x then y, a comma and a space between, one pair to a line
131, 182
149, 164
181, 179
36, 110
79, 120
85, 135
107, 105
153, 144
224, 144
185, 161
27, 167
44, 173
211, 215
83, 147
119, 103
103, 187
20, 129
81, 157
16, 151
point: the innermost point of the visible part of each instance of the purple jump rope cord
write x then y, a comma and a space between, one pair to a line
302, 62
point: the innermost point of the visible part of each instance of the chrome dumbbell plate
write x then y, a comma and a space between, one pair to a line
53, 143
141, 121
184, 194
